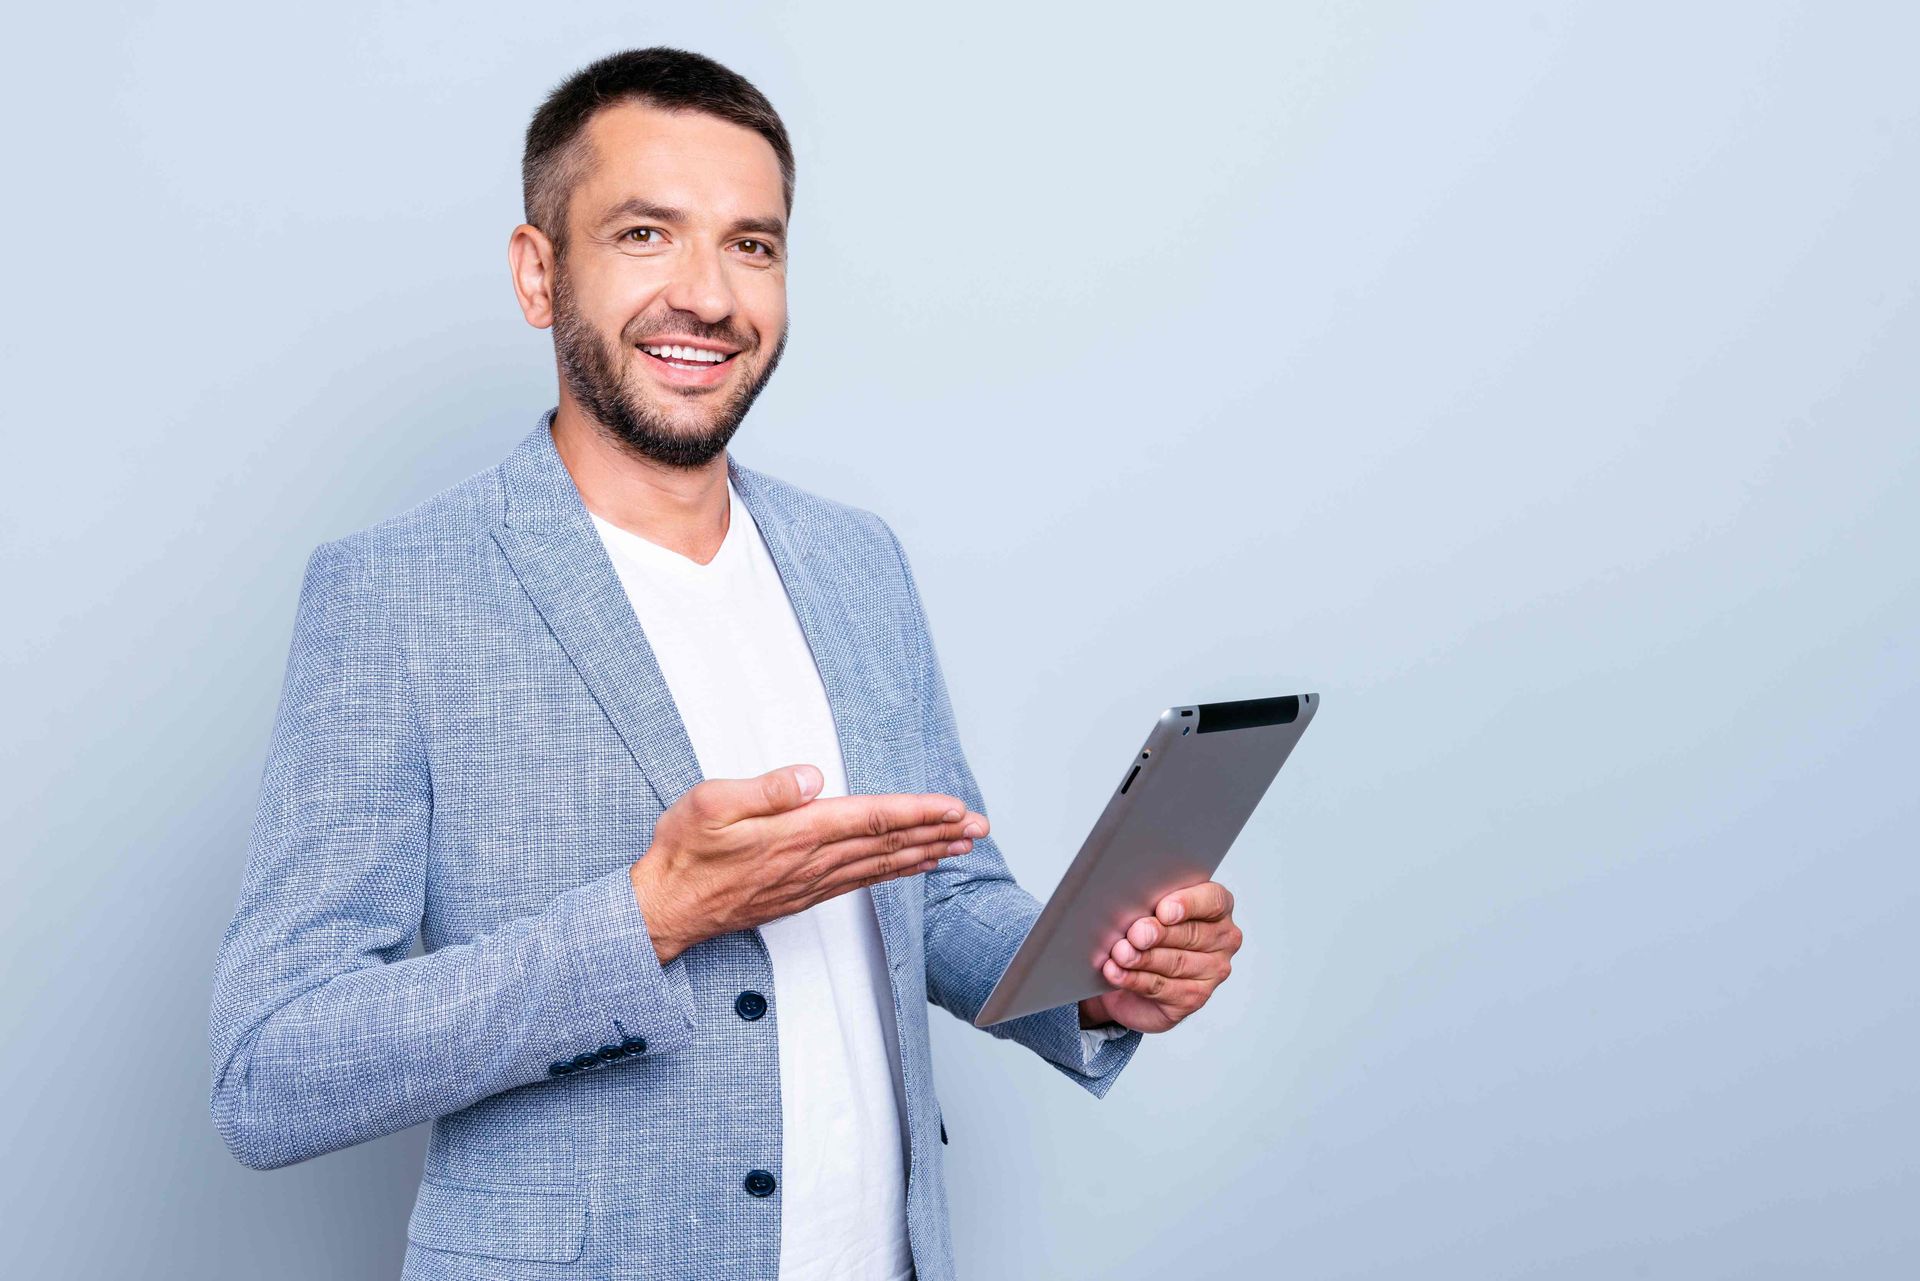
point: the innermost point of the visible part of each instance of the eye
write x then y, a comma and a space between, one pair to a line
757, 248
628, 236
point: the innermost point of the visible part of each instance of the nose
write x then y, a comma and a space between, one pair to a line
699, 285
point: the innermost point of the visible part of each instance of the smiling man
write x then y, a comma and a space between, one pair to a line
653, 755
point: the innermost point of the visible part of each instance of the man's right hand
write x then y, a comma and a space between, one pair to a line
733, 853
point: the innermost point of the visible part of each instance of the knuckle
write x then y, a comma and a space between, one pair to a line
876, 820
893, 842
666, 829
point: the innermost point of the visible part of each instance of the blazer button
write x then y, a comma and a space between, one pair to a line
608, 1053
634, 1045
750, 1006
559, 1068
759, 1183
586, 1060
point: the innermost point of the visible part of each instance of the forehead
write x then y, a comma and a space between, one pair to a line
709, 167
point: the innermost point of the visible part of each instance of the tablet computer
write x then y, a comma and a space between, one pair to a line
1187, 793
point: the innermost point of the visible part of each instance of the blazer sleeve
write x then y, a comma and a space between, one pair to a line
976, 914
323, 1032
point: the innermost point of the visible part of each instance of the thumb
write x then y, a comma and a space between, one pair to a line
728, 800
788, 787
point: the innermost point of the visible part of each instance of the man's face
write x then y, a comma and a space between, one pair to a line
676, 237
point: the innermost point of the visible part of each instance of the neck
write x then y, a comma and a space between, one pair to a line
681, 509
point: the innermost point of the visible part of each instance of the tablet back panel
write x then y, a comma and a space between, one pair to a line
1186, 794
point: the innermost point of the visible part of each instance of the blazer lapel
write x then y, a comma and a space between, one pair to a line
549, 539
808, 572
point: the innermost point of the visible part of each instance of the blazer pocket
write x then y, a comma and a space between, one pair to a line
542, 1224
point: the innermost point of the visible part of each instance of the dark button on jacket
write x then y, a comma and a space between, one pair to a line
750, 1005
759, 1183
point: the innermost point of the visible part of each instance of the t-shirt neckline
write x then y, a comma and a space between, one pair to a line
652, 554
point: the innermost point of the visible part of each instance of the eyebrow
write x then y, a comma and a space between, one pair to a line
639, 207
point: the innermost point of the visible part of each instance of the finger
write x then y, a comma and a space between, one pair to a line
836, 818
1182, 995
1192, 936
881, 867
1173, 963
721, 801
1208, 901
899, 839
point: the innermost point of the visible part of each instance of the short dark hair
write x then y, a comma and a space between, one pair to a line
671, 79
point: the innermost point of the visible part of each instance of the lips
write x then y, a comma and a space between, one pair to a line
687, 373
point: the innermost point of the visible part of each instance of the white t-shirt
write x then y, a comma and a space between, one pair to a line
745, 683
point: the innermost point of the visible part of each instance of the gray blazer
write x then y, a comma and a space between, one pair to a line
472, 743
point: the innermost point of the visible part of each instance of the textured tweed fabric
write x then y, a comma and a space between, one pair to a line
473, 742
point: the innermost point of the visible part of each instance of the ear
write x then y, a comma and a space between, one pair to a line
531, 258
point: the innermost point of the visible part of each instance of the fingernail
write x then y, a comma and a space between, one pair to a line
959, 847
971, 829
951, 816
808, 780
1174, 912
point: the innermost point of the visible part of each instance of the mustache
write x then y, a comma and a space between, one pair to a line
695, 331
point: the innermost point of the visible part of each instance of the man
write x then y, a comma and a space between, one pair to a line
663, 1027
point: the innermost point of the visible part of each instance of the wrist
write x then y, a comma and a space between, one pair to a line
656, 913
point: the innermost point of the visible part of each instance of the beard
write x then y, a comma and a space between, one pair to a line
597, 374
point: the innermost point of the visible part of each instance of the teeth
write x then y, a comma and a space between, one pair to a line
685, 353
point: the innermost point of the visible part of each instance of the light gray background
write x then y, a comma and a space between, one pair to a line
1537, 383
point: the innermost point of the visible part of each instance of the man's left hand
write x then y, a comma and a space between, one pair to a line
1167, 965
